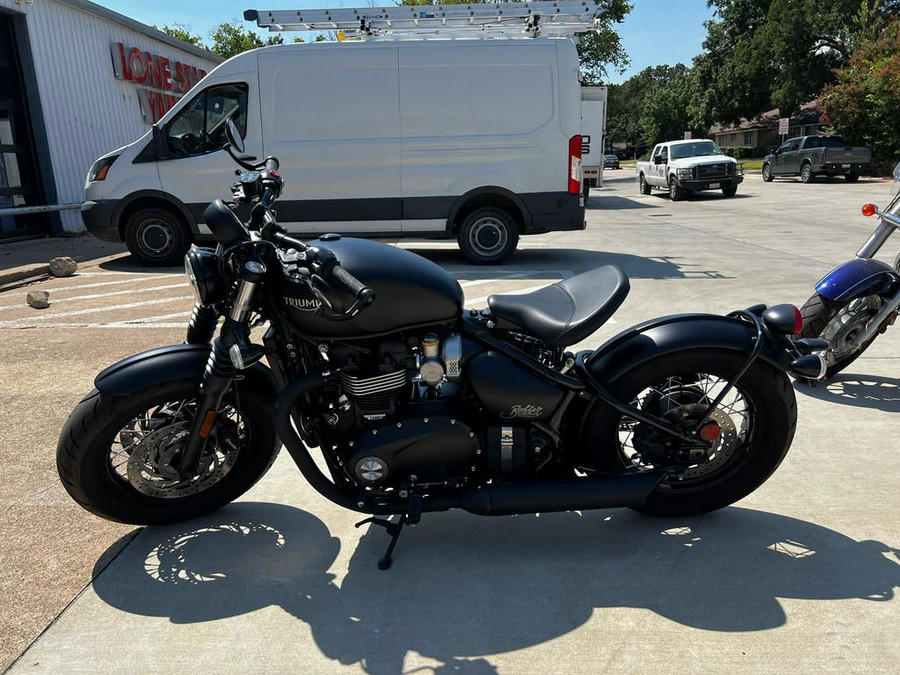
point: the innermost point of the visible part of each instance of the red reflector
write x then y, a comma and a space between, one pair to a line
275, 173
869, 210
798, 321
710, 432
208, 422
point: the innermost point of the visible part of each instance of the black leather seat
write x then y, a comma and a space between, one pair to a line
565, 312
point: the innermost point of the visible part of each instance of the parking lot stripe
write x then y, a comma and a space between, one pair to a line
16, 323
102, 295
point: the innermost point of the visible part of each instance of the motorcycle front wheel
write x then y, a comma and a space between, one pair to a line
839, 323
754, 426
118, 456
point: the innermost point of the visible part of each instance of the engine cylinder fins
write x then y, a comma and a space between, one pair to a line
371, 470
360, 387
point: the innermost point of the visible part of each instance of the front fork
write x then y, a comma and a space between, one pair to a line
231, 352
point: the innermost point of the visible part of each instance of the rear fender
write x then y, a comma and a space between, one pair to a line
675, 333
859, 278
174, 362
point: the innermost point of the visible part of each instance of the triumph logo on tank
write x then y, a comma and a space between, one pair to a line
303, 304
523, 411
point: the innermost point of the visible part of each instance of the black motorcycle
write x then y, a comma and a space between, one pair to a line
416, 404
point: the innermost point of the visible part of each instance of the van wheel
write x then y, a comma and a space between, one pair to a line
488, 236
157, 237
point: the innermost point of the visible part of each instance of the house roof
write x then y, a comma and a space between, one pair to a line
808, 114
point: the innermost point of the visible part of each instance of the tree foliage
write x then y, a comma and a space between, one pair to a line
763, 54
862, 105
182, 32
229, 39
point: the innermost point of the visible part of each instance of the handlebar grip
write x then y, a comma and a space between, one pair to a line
360, 291
271, 164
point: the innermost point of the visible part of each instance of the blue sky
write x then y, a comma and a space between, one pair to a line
655, 32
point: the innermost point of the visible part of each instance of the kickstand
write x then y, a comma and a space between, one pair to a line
394, 529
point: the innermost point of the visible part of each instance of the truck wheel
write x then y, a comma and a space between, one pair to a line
767, 173
806, 173
645, 189
730, 191
851, 177
157, 237
676, 193
488, 236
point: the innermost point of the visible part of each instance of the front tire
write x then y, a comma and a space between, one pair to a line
644, 187
157, 237
676, 192
729, 191
838, 323
756, 423
117, 454
767, 173
488, 236
851, 177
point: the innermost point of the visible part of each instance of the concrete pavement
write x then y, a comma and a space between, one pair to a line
799, 576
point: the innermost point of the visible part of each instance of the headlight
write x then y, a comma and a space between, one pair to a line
100, 168
201, 268
683, 173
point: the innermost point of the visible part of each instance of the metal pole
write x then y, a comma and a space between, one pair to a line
26, 210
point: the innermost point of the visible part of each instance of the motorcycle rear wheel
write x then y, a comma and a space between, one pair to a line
838, 323
117, 455
756, 420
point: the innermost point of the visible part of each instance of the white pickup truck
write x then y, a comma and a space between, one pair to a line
688, 166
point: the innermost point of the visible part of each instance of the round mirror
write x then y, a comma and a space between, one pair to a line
234, 136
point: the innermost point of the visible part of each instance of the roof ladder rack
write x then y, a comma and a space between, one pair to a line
564, 18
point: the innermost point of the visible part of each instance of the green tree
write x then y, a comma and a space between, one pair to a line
182, 32
231, 38
862, 106
666, 112
763, 54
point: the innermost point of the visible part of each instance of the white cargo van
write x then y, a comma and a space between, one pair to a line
474, 140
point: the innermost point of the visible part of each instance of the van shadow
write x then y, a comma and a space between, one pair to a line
551, 263
862, 391
463, 587
130, 263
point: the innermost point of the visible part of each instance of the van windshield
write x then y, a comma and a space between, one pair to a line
199, 127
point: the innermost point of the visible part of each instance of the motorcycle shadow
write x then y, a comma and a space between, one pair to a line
862, 391
463, 587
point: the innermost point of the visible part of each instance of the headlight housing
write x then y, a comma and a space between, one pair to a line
202, 269
100, 168
683, 173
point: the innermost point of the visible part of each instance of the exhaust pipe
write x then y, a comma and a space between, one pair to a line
501, 499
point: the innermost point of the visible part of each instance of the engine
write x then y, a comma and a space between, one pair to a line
397, 421
404, 419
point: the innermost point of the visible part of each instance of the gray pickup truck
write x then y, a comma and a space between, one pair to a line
809, 156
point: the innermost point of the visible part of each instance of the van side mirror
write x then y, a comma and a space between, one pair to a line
234, 136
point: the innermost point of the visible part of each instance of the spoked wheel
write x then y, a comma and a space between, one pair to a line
745, 436
839, 323
119, 456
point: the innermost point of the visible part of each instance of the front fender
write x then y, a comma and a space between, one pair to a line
173, 362
858, 278
669, 334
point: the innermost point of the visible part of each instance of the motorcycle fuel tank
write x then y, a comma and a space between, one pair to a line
410, 291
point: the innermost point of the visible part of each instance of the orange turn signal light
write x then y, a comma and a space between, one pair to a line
869, 210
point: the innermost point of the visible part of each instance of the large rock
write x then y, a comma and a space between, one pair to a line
63, 266
38, 299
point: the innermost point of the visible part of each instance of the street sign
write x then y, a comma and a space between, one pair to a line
783, 125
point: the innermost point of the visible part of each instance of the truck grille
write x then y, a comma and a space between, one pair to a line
711, 171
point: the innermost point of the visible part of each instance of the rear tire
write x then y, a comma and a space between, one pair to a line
488, 236
838, 323
757, 421
851, 177
806, 173
157, 237
115, 454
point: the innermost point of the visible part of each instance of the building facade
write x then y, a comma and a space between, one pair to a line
76, 80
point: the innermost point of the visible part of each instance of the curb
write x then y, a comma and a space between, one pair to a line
21, 273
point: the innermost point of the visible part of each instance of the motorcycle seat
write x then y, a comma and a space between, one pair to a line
565, 312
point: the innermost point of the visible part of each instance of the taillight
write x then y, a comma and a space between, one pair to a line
575, 172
